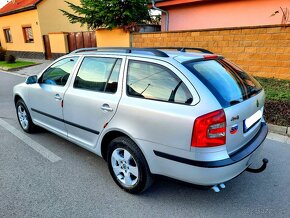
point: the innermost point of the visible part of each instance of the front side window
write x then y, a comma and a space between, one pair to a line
28, 34
98, 74
156, 82
59, 72
8, 35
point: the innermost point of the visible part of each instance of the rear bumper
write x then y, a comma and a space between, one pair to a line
213, 172
238, 156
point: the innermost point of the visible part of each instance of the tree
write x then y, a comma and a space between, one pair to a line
109, 13
285, 15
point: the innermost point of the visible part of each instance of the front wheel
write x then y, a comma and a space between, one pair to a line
24, 117
128, 166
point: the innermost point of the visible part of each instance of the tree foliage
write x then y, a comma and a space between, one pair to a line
109, 13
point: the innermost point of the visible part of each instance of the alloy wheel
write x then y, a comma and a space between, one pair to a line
22, 116
124, 167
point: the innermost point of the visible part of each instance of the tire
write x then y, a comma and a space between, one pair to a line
128, 166
24, 117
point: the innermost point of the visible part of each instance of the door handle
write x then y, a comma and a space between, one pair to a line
57, 97
106, 107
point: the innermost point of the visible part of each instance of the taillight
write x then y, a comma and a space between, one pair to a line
209, 130
210, 57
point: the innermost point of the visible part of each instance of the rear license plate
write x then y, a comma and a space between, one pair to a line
252, 120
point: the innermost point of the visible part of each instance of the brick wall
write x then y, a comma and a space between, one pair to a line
261, 51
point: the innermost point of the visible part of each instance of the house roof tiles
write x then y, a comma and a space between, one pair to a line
17, 6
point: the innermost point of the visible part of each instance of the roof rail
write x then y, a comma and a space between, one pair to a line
154, 51
183, 49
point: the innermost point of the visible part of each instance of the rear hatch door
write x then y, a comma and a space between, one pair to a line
239, 94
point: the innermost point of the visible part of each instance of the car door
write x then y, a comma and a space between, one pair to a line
158, 104
92, 99
46, 96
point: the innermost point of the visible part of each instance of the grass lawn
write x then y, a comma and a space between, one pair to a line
278, 90
277, 105
17, 64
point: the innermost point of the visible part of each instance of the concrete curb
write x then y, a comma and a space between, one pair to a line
17, 68
282, 130
14, 73
278, 137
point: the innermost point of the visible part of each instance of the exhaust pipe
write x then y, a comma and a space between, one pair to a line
217, 188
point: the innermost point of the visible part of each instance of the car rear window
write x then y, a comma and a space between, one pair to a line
155, 82
226, 81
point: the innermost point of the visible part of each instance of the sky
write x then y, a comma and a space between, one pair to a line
2, 3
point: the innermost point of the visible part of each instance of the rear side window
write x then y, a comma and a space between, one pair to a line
156, 82
58, 73
98, 74
226, 81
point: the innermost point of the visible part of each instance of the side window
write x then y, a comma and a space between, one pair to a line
153, 81
58, 73
98, 74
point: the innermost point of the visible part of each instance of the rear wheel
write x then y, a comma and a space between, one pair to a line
24, 117
128, 166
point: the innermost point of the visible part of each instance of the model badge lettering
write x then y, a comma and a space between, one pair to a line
235, 118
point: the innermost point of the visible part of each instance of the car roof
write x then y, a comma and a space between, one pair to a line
178, 54
186, 56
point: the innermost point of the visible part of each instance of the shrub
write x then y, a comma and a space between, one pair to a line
2, 54
10, 59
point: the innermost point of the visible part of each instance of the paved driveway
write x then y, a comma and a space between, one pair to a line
78, 184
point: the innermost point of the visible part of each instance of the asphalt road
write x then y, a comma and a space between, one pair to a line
79, 184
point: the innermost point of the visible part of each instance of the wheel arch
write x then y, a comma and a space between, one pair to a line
107, 138
17, 97
111, 135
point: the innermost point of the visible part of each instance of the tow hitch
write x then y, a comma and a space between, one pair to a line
217, 188
259, 170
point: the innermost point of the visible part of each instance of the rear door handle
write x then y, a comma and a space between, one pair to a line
57, 97
106, 107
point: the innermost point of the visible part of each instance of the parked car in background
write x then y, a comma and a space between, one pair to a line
191, 116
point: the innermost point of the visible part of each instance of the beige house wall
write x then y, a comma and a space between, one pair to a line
58, 42
15, 22
113, 38
52, 20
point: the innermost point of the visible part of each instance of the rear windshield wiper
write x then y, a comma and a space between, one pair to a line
254, 91
235, 102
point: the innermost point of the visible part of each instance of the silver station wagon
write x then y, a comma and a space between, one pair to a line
190, 116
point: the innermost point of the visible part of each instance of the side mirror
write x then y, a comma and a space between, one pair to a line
31, 80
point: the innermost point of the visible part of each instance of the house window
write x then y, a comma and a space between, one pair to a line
8, 36
28, 35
